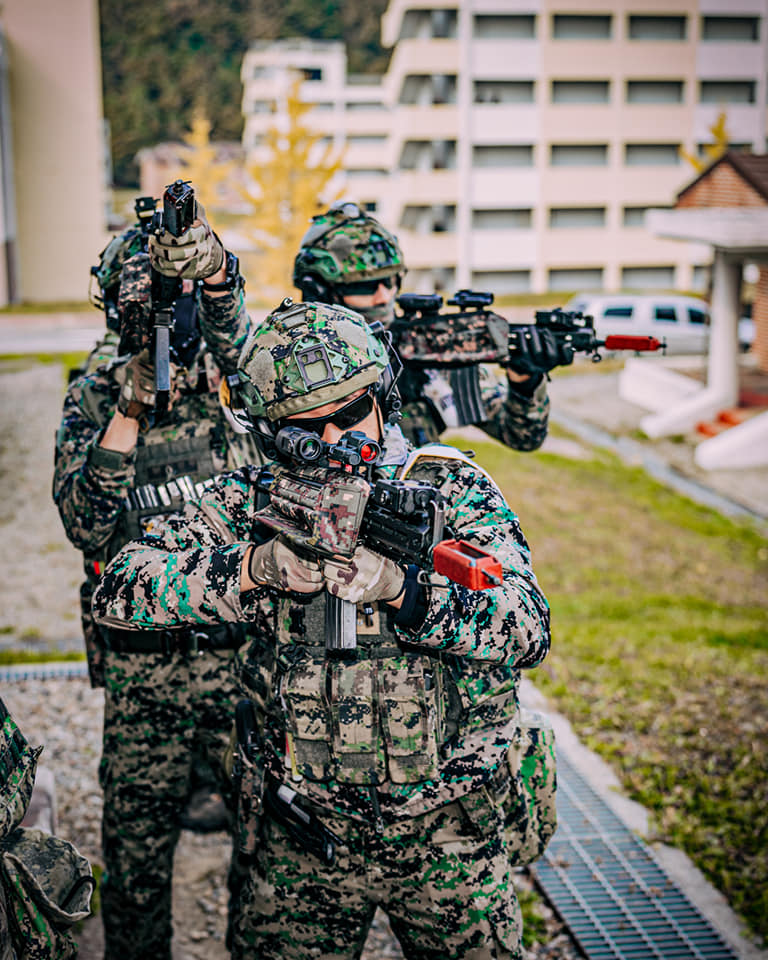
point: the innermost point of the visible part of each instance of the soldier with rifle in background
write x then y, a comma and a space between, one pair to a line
372, 773
348, 257
138, 438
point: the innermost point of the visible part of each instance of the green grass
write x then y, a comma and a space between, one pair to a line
53, 306
660, 651
11, 657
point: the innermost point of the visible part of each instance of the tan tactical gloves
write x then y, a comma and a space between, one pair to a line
195, 255
273, 564
137, 394
364, 578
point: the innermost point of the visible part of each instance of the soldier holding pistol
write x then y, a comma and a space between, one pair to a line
380, 776
120, 462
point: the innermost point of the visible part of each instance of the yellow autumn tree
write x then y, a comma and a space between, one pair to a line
201, 163
712, 150
290, 181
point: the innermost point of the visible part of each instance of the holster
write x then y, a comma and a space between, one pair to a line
248, 777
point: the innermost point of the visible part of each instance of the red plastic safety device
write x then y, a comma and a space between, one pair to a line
624, 341
467, 565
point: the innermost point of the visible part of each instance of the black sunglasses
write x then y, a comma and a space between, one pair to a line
343, 419
365, 287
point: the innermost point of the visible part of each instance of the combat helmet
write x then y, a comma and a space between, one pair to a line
345, 245
303, 356
107, 272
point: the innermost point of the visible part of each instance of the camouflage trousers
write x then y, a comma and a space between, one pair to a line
159, 711
443, 879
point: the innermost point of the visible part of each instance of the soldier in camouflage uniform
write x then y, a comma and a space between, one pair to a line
398, 755
119, 463
348, 257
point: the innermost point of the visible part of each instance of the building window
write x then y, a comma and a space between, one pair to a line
511, 218
364, 105
727, 91
730, 29
700, 279
366, 139
428, 155
654, 91
572, 218
649, 278
581, 91
502, 281
357, 173
428, 24
642, 27
579, 154
428, 89
503, 155
634, 216
370, 206
576, 278
651, 154
567, 26
429, 219
500, 26
504, 91
313, 74
263, 106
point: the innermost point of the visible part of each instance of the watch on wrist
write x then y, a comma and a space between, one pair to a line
231, 281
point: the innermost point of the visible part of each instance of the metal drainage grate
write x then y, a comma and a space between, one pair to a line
610, 891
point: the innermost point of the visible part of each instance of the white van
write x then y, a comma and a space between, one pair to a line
682, 321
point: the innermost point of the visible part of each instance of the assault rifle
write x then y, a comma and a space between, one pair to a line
324, 502
176, 217
428, 338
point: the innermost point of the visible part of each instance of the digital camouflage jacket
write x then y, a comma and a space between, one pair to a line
422, 715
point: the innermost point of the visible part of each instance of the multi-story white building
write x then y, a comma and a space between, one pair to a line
515, 145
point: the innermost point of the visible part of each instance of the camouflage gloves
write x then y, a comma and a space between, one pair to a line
273, 564
364, 578
195, 255
539, 351
137, 394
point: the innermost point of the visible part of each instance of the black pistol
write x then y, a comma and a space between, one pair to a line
176, 217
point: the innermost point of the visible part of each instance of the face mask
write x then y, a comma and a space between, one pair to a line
384, 312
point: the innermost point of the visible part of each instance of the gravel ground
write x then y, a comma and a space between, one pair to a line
39, 610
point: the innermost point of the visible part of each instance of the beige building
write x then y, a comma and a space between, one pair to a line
52, 149
516, 145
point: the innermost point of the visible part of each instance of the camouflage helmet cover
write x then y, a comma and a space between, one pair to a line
347, 245
114, 255
305, 355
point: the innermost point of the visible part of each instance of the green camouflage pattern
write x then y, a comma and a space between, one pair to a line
429, 725
305, 355
45, 885
48, 887
106, 499
443, 878
530, 809
347, 247
161, 712
187, 570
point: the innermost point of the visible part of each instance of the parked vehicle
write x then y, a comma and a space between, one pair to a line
682, 321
